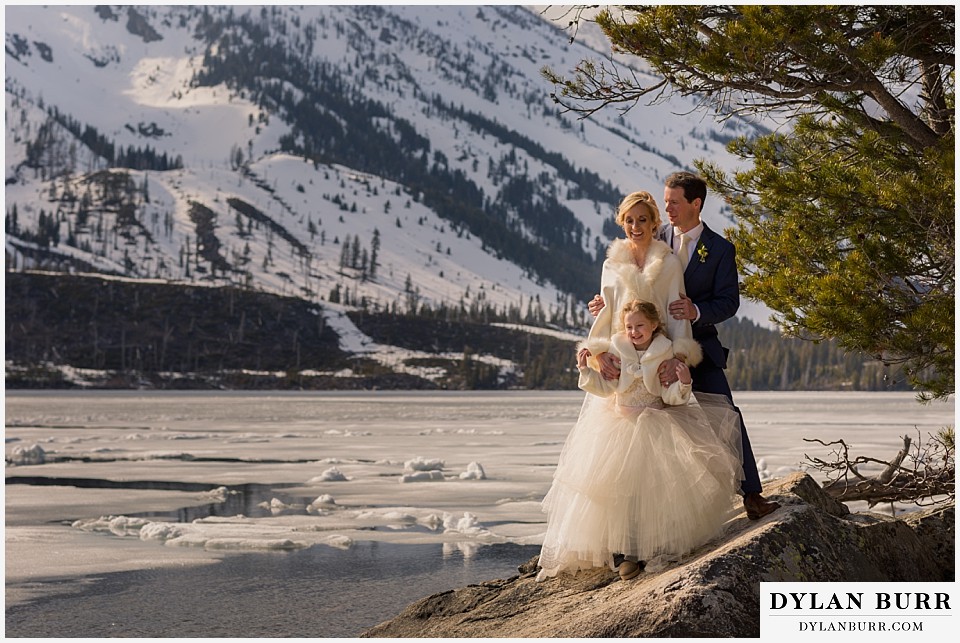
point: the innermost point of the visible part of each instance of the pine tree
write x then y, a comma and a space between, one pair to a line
345, 253
355, 252
374, 252
845, 219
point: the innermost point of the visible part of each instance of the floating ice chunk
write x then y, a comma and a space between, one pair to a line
160, 531
86, 524
332, 474
33, 454
119, 525
126, 526
474, 472
422, 464
468, 521
421, 476
468, 524
433, 521
277, 506
338, 541
325, 501
219, 494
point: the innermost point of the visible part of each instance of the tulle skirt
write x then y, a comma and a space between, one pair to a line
648, 483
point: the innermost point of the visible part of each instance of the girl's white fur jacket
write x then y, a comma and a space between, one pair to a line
659, 281
633, 366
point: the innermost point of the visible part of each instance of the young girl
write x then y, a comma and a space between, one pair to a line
650, 478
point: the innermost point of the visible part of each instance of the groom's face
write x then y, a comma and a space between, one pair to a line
682, 214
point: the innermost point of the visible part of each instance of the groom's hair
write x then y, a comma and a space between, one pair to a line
693, 186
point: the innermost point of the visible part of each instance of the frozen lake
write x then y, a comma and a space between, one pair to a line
314, 514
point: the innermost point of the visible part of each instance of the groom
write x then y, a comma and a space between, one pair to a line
712, 296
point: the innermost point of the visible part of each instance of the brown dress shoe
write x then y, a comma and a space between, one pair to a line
757, 506
629, 569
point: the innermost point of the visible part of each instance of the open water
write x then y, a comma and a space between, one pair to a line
319, 592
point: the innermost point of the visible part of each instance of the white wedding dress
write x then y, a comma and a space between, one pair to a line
640, 477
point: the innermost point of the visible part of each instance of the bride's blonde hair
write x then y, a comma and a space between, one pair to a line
643, 199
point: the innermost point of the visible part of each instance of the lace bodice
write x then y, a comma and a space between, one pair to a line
637, 395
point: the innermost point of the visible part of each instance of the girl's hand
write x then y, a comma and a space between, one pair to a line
582, 357
683, 373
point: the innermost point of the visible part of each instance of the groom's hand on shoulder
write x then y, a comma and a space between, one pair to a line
595, 305
683, 308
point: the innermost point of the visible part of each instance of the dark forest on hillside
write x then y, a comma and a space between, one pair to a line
182, 336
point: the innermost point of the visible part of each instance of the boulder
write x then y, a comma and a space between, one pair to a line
713, 592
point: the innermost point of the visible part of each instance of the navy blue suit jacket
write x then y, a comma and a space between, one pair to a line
711, 282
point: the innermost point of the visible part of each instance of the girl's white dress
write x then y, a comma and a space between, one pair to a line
643, 472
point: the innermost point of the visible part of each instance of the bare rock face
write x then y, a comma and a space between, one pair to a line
714, 592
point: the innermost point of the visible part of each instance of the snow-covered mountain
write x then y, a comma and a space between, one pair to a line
384, 155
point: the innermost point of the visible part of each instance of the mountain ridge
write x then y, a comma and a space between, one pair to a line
457, 90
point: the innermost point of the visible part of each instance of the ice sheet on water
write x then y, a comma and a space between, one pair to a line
518, 439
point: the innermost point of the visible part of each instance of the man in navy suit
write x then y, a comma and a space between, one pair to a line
712, 296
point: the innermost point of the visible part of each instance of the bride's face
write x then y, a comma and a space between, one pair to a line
639, 226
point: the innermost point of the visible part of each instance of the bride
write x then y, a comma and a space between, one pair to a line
650, 483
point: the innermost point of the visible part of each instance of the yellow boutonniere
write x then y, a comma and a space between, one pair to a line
702, 253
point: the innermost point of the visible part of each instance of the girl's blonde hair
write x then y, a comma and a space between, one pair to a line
643, 199
647, 309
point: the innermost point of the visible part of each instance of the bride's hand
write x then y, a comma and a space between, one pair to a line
609, 366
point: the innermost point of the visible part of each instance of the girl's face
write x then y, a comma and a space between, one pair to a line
638, 225
639, 329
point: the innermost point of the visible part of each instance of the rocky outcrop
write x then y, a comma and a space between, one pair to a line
714, 592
